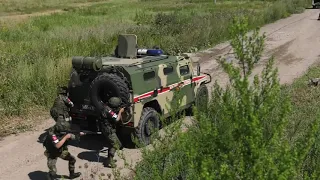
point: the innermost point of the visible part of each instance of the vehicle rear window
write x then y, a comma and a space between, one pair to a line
149, 75
184, 70
167, 70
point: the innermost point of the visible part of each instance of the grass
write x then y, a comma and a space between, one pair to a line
35, 55
305, 103
29, 6
16, 125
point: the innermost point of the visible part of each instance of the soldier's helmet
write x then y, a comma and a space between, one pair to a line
114, 102
62, 90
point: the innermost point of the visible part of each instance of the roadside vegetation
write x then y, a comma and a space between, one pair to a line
250, 129
30, 6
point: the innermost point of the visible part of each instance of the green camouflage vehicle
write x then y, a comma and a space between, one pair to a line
144, 79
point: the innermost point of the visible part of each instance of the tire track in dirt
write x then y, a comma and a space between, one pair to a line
294, 41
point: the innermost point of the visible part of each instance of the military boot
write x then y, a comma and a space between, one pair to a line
74, 175
110, 162
52, 176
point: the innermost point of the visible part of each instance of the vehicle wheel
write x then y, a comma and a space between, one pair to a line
149, 122
106, 86
202, 98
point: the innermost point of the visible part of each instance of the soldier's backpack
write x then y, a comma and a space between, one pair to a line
45, 139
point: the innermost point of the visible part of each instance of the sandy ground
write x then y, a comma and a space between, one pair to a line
294, 41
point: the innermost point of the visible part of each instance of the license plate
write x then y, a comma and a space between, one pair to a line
88, 107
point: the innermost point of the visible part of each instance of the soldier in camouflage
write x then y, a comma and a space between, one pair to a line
109, 120
61, 105
56, 146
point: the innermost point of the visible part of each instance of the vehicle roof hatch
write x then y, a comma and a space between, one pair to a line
127, 46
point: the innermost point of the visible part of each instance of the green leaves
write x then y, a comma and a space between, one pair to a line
247, 49
243, 133
258, 112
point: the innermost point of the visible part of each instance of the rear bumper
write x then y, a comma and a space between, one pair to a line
84, 118
80, 114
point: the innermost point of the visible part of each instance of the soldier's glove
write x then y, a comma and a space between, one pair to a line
73, 137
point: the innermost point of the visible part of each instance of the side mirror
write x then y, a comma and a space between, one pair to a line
198, 69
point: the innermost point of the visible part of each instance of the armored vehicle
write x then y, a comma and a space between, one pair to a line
144, 79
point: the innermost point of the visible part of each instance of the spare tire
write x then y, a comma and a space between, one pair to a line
106, 86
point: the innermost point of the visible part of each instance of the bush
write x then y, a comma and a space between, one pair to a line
242, 135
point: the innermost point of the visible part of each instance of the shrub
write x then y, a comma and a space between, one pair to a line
242, 135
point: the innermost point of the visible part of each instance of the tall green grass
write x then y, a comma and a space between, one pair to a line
35, 55
29, 6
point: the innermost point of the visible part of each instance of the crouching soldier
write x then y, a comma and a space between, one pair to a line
56, 146
61, 105
108, 123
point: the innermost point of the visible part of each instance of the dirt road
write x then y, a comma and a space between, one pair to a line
294, 41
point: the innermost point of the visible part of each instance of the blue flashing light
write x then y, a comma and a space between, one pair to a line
150, 52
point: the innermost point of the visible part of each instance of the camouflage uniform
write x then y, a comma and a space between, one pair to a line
61, 105
52, 153
109, 130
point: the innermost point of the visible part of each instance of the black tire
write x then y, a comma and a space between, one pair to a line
142, 132
108, 85
202, 98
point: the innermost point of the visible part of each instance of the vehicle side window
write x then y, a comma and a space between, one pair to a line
167, 70
149, 75
184, 70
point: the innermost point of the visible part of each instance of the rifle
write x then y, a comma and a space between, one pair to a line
78, 132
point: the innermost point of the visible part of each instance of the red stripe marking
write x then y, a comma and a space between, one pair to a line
197, 78
165, 89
